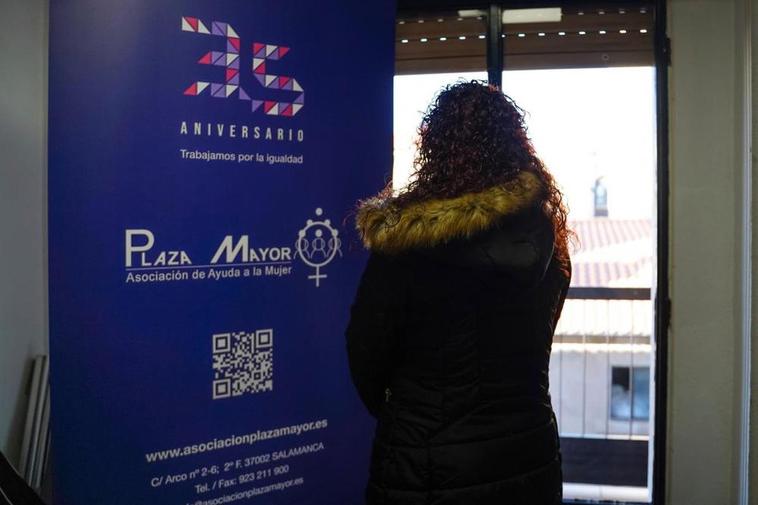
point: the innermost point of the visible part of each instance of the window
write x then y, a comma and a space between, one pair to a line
588, 85
630, 393
594, 130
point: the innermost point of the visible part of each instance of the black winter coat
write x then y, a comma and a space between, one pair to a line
449, 346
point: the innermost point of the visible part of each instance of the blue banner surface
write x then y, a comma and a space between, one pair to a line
204, 158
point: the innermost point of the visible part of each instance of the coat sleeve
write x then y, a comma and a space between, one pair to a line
376, 321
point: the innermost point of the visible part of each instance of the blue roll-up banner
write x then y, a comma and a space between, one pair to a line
204, 160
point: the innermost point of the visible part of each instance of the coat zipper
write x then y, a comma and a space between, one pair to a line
391, 457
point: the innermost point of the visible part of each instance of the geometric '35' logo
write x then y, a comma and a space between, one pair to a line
229, 60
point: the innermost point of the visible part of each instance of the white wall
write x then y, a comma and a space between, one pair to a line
706, 234
23, 206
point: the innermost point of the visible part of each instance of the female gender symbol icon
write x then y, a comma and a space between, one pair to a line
313, 249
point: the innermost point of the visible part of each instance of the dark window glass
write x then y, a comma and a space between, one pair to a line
630, 397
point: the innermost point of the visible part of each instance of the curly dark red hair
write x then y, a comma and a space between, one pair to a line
473, 137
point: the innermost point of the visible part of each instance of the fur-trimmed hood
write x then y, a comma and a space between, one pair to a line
385, 226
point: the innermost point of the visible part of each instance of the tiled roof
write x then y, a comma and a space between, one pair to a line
601, 232
612, 252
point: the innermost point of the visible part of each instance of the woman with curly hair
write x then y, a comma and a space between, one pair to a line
451, 329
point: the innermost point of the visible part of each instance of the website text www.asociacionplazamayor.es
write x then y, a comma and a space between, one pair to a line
235, 440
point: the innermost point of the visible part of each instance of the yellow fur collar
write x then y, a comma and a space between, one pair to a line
386, 227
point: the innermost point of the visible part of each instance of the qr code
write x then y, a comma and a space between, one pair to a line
243, 363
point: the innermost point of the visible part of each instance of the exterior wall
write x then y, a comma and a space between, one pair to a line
23, 207
580, 380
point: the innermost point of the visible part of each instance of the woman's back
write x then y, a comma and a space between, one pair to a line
449, 344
